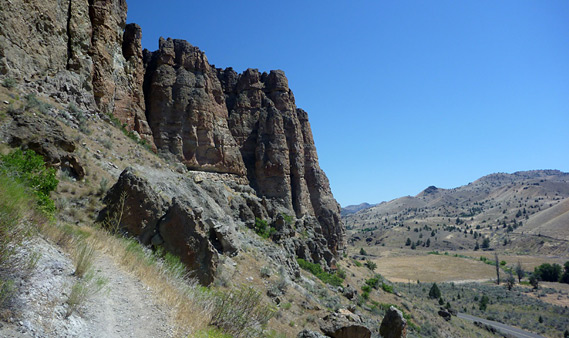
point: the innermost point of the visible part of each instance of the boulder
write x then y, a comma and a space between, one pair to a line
393, 324
186, 236
141, 207
349, 292
47, 138
309, 334
337, 325
445, 314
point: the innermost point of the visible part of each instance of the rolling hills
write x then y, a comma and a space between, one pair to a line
526, 211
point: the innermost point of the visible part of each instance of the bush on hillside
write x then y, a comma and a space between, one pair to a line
331, 278
29, 169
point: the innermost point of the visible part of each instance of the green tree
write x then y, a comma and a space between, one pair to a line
363, 252
520, 272
548, 272
565, 276
408, 242
497, 264
486, 243
483, 304
434, 292
534, 281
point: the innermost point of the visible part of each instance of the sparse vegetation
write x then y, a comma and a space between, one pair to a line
263, 229
240, 312
314, 268
9, 82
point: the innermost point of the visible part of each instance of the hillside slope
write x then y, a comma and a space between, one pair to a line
500, 207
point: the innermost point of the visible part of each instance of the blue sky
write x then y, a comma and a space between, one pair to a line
400, 94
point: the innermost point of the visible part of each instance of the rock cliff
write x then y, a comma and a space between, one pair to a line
246, 126
76, 51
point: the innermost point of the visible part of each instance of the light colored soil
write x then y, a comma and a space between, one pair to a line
124, 308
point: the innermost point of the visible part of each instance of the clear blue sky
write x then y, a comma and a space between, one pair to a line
400, 94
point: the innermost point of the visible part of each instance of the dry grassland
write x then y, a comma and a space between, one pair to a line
433, 268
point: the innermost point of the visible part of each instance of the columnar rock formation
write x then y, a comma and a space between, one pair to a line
245, 125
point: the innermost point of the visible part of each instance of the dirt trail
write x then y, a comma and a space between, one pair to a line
124, 308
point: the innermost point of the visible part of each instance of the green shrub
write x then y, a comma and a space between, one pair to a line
374, 282
9, 82
263, 229
29, 169
386, 287
314, 268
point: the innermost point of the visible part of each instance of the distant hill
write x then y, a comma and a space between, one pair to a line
511, 209
351, 209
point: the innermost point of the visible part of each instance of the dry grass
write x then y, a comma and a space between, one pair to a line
433, 268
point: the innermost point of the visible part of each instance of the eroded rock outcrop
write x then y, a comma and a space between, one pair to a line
278, 149
45, 137
76, 51
186, 109
215, 120
393, 324
246, 124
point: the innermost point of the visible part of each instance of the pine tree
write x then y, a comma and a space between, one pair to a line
435, 292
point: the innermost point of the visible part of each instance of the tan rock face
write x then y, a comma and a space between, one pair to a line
247, 124
278, 149
210, 119
73, 50
186, 109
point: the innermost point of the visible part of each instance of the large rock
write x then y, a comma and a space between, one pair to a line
337, 325
393, 324
45, 137
186, 236
191, 216
135, 205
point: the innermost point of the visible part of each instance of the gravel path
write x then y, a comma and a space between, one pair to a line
124, 308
